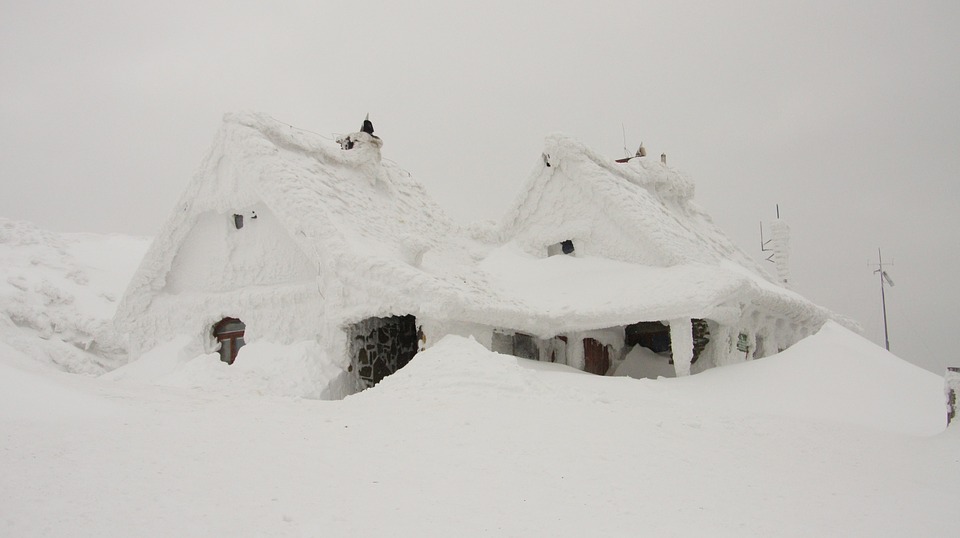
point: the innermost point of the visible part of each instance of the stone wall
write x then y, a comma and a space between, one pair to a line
381, 346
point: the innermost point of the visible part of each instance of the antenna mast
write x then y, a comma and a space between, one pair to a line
884, 277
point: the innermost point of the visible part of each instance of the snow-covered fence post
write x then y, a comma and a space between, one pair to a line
952, 388
681, 343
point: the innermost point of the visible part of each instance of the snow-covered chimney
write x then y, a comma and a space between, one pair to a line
780, 245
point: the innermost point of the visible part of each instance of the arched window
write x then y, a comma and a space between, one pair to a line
229, 332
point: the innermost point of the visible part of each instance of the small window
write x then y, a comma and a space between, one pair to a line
525, 347
237, 221
516, 344
563, 247
502, 342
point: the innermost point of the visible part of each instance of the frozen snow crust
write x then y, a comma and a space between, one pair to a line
465, 442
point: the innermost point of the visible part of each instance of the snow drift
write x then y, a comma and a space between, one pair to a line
467, 442
58, 294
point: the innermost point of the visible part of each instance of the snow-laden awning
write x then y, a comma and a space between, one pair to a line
579, 293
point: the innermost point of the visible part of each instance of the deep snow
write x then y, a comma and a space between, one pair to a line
59, 291
464, 442
833, 437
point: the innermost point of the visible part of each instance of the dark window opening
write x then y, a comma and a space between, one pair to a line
516, 344
563, 247
655, 336
381, 346
237, 221
229, 332
652, 335
525, 347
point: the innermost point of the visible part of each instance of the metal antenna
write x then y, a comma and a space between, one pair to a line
763, 244
884, 277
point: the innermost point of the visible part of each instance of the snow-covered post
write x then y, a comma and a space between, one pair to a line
575, 356
681, 343
952, 388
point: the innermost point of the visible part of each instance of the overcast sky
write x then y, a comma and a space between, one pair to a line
846, 113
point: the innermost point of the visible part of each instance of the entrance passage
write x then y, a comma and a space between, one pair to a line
229, 332
381, 346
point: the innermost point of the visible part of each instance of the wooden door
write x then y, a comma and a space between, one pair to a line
596, 357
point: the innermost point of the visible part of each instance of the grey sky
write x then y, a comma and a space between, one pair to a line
844, 113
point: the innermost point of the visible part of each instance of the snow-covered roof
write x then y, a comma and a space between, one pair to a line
348, 211
366, 224
651, 203
675, 260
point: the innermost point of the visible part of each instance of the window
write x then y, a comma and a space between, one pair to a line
563, 247
516, 344
652, 335
237, 221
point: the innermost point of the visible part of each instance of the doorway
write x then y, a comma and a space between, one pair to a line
229, 332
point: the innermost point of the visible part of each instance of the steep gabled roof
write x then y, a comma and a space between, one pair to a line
650, 202
347, 210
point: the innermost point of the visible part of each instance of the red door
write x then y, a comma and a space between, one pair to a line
596, 357
229, 332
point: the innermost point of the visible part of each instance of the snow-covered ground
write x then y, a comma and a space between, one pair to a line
59, 291
833, 437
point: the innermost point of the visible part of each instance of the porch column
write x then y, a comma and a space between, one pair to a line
681, 343
575, 356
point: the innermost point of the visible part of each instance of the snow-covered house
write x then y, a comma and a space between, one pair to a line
286, 237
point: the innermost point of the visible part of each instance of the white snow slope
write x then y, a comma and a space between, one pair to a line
833, 437
58, 293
